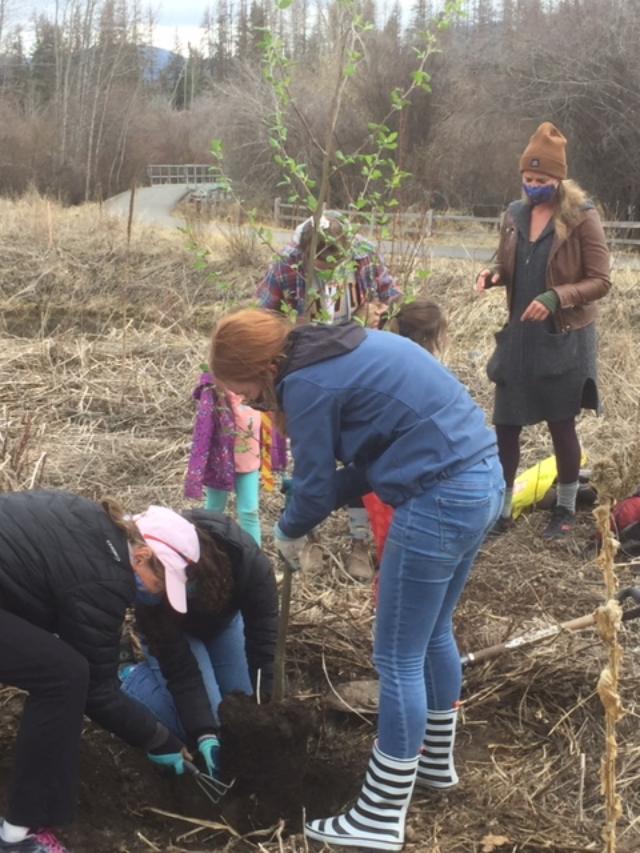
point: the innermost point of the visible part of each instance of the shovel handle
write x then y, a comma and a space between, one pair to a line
279, 676
541, 634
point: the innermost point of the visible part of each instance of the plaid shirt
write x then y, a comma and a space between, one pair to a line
284, 282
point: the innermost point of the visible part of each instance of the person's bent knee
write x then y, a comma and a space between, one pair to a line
67, 677
75, 680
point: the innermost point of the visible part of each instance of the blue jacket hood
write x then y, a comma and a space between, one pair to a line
318, 342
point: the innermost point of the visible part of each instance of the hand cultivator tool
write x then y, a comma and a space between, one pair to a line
362, 696
213, 789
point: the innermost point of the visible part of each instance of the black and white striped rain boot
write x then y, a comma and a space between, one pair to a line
376, 822
435, 768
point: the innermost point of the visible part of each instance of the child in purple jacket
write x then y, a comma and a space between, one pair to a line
229, 439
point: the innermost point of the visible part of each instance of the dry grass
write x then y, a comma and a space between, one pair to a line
101, 346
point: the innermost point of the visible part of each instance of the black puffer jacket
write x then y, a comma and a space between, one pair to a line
254, 596
64, 566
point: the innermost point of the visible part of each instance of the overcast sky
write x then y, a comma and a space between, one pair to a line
181, 16
172, 16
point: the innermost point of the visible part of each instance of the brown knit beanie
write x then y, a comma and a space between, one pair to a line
546, 152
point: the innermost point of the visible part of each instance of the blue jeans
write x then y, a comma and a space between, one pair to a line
432, 543
223, 665
247, 502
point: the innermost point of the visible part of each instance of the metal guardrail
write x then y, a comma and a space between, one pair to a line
426, 223
410, 223
181, 173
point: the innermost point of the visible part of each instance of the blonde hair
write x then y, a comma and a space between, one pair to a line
569, 207
126, 524
122, 521
246, 343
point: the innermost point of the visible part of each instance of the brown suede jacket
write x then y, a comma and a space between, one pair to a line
577, 269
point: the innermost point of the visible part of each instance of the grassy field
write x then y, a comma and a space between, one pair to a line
102, 342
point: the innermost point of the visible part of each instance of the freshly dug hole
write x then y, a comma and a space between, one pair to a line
286, 759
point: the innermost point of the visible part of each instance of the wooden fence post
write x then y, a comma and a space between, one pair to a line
132, 201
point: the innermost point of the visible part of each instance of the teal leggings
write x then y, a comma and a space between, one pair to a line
247, 502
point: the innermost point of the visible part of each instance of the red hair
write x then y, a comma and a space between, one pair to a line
246, 343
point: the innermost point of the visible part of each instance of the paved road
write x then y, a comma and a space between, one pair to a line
461, 252
152, 205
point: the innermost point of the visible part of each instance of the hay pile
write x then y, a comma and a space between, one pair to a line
102, 343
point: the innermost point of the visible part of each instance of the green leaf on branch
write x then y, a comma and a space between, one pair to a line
398, 101
421, 79
217, 149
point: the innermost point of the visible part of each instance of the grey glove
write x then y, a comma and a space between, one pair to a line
289, 549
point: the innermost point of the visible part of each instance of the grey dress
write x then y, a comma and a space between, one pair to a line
540, 374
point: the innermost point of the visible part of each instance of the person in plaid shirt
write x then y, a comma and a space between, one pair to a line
350, 281
350, 278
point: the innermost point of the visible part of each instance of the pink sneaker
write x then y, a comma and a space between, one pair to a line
48, 842
38, 842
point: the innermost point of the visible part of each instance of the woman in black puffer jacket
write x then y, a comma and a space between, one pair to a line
69, 569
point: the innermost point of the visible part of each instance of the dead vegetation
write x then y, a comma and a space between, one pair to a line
101, 346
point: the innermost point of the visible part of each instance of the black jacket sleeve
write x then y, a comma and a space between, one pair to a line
255, 593
90, 619
169, 644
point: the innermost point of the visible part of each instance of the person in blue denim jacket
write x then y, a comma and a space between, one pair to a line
366, 411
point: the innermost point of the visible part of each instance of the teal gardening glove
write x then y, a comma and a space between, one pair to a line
169, 754
209, 747
174, 760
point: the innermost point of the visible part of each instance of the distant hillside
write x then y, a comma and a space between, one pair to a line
157, 59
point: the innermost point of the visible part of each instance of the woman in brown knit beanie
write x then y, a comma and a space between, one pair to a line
554, 263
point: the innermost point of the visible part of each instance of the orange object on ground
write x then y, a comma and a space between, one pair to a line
380, 518
266, 467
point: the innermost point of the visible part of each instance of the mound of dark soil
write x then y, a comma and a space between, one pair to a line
287, 760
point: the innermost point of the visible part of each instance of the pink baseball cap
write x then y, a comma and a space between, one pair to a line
174, 541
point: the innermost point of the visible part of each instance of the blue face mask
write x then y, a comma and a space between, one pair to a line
539, 195
143, 596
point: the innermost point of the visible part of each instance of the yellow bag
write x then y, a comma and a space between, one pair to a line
534, 483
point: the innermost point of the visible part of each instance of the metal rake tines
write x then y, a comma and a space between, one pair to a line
213, 789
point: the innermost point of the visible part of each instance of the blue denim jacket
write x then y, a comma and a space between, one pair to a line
395, 417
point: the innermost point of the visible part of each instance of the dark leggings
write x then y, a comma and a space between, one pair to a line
565, 445
56, 677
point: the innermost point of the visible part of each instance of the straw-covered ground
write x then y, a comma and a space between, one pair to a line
101, 345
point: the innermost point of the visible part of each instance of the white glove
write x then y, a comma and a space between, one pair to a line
289, 549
